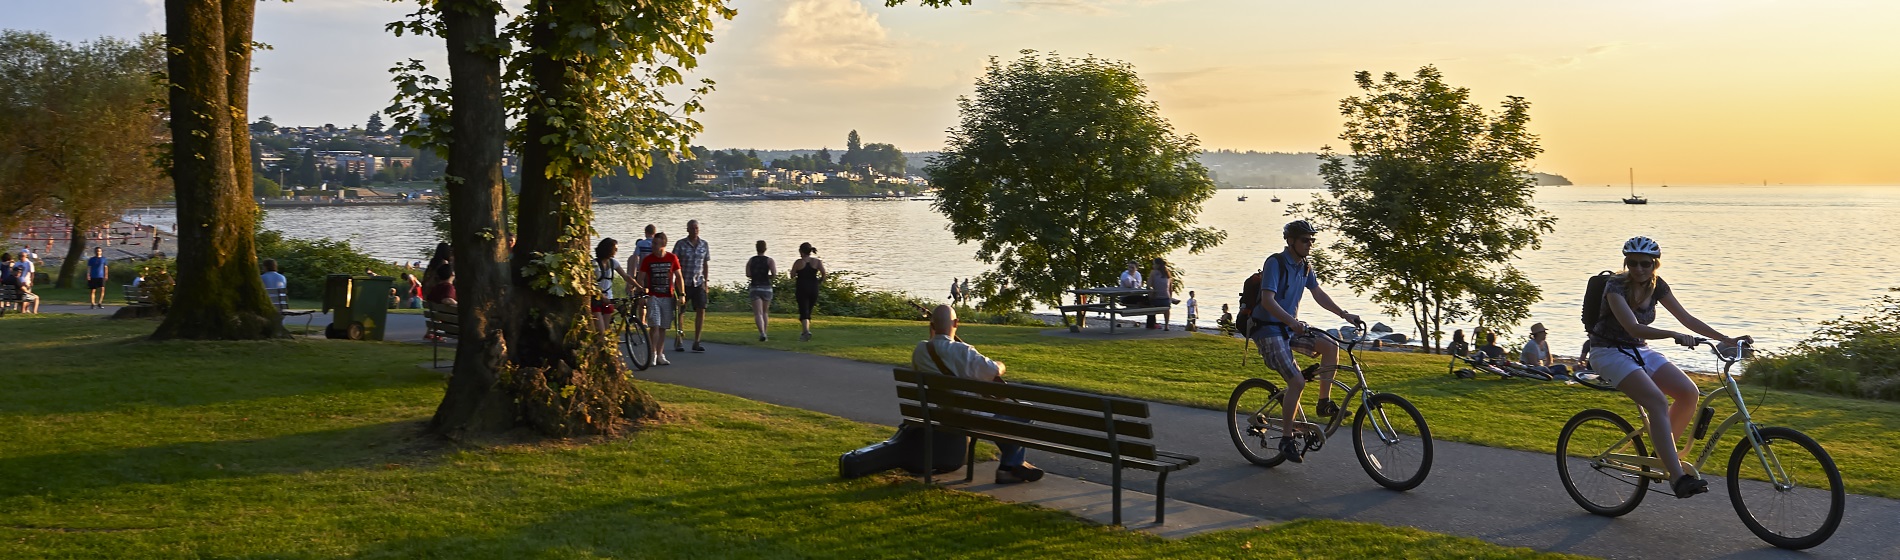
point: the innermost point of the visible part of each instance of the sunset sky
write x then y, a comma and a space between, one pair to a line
1684, 91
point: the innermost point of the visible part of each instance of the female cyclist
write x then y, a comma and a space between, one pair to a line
1620, 353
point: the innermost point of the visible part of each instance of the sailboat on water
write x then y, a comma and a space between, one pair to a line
1634, 198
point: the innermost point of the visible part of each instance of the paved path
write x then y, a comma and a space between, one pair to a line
1507, 497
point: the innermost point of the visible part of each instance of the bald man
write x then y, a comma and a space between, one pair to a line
944, 352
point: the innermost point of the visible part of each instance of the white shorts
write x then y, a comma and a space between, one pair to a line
1614, 364
660, 312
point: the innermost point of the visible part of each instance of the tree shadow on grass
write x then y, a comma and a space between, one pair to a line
82, 472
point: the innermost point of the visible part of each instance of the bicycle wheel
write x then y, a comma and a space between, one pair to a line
1253, 420
1393, 442
1602, 489
1800, 511
633, 343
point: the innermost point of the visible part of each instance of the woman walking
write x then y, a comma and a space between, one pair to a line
762, 271
807, 271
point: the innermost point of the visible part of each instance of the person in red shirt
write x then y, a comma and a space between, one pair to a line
659, 273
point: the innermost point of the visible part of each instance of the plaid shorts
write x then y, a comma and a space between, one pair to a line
1277, 351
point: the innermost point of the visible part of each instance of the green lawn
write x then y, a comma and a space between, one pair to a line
1202, 370
120, 447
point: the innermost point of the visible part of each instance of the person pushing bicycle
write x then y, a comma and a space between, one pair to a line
1283, 280
1619, 349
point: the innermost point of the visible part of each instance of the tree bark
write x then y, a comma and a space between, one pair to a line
75, 255
476, 401
219, 294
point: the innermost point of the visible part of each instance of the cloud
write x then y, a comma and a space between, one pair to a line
837, 41
1078, 7
1570, 60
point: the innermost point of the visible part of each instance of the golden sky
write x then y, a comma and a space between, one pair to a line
1687, 92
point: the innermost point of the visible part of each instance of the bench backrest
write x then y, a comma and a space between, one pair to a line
279, 297
11, 293
1069, 418
136, 295
443, 320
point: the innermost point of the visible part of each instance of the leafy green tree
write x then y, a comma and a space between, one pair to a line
375, 125
1061, 170
263, 125
1433, 201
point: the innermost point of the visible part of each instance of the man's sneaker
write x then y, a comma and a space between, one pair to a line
761, 338
698, 348
1292, 450
662, 360
1686, 486
1013, 475
1327, 409
678, 347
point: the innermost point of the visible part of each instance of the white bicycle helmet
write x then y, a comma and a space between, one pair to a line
1642, 246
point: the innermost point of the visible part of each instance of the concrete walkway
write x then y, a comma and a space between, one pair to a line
1507, 497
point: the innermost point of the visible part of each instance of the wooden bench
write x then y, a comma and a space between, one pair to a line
280, 297
1106, 429
442, 323
136, 296
10, 297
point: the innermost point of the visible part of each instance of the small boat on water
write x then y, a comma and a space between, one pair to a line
1276, 198
1243, 198
1634, 198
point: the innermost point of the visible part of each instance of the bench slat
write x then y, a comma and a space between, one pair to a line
1163, 462
1018, 431
1140, 311
1059, 397
1088, 420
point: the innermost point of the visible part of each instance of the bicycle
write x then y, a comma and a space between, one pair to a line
630, 325
1394, 449
1613, 481
1500, 367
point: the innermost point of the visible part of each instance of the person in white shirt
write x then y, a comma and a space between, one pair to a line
1131, 278
964, 361
1536, 353
1193, 311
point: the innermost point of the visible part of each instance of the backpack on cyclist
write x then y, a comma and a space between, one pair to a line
1593, 299
1249, 297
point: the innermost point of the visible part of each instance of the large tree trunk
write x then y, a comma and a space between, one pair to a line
219, 294
476, 401
75, 255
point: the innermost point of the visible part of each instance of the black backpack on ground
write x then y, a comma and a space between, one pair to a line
1593, 300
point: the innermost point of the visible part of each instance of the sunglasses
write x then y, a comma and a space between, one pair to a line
1639, 263
1304, 239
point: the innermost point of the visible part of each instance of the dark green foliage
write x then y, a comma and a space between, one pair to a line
1061, 170
1432, 203
304, 262
1853, 356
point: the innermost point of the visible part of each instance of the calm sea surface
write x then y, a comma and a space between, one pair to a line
1767, 261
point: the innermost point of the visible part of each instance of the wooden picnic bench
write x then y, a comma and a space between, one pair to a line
443, 323
1107, 429
136, 296
1110, 304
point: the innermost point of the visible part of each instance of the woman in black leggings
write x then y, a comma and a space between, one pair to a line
807, 271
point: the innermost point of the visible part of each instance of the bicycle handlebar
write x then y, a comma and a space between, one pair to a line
1743, 349
1359, 330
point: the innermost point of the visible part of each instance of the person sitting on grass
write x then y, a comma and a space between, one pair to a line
1488, 347
1536, 353
945, 354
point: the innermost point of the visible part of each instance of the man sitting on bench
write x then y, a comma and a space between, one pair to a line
945, 354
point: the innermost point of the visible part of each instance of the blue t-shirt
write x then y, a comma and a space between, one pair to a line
96, 267
1287, 281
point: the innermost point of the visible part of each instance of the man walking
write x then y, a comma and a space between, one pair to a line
1283, 279
695, 258
96, 277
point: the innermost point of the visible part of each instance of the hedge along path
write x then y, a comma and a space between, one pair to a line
1201, 371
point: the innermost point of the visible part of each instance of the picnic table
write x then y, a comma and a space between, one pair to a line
1108, 300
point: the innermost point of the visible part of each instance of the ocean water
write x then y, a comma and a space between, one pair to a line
1765, 261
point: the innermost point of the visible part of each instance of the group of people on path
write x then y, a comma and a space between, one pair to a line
664, 276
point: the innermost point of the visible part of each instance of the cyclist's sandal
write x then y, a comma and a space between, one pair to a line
1686, 486
1326, 408
1292, 450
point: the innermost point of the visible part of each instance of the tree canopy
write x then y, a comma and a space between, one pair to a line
1061, 170
1433, 202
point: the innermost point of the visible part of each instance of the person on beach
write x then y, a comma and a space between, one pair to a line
1620, 354
659, 273
956, 294
1280, 332
272, 279
1161, 292
695, 266
96, 277
410, 292
807, 272
1193, 311
1536, 353
964, 291
605, 268
944, 354
760, 271
1458, 346
1488, 346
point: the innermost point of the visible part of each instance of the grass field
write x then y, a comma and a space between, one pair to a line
118, 447
1202, 370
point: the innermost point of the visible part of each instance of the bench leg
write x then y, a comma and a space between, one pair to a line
969, 461
1118, 493
1161, 498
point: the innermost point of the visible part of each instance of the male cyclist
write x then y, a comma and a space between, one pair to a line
1283, 279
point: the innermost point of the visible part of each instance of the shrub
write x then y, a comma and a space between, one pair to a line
305, 262
1852, 356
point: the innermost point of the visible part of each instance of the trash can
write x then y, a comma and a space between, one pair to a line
357, 306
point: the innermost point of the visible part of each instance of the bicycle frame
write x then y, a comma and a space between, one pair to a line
1653, 468
1363, 391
